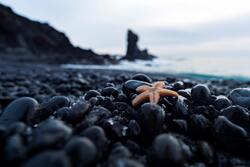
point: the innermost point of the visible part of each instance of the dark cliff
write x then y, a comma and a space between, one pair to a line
24, 39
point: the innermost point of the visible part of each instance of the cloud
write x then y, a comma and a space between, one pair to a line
102, 24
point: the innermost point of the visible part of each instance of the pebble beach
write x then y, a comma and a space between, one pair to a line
51, 116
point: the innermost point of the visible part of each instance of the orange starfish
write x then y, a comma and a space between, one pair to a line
152, 94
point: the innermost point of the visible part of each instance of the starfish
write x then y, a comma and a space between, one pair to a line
152, 94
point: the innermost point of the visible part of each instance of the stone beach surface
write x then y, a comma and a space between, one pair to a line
50, 116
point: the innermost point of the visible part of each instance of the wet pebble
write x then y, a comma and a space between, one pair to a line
240, 96
134, 128
185, 93
222, 102
49, 133
206, 152
91, 93
97, 135
226, 131
166, 151
179, 125
49, 107
49, 159
200, 94
142, 77
124, 162
237, 114
78, 111
199, 126
131, 85
108, 91
21, 109
150, 118
181, 107
14, 150
81, 151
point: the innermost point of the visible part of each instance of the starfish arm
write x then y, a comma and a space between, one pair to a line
154, 97
142, 88
140, 98
167, 92
159, 84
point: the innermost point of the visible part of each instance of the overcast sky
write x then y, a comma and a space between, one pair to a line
165, 26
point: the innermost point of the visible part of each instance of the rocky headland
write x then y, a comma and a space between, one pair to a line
22, 40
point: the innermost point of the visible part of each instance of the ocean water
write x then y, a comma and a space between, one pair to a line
232, 67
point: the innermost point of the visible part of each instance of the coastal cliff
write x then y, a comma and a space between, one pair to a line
27, 40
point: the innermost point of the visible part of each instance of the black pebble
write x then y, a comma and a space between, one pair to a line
240, 96
81, 151
49, 107
150, 118
91, 93
21, 109
199, 126
131, 85
181, 108
134, 128
108, 91
201, 94
166, 151
124, 162
222, 102
226, 131
49, 159
97, 135
49, 133
142, 77
14, 150
238, 115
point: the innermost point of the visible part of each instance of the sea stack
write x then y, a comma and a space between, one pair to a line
133, 51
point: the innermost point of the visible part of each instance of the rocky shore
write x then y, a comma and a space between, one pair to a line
59, 117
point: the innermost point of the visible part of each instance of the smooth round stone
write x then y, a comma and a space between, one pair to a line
108, 91
179, 125
142, 77
16, 128
237, 114
78, 111
14, 149
97, 135
166, 151
240, 96
185, 93
21, 109
226, 130
150, 118
205, 152
222, 102
131, 85
177, 85
199, 125
55, 103
181, 107
124, 162
48, 108
63, 113
81, 151
98, 113
91, 93
134, 128
200, 94
49, 133
120, 152
48, 159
